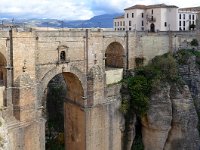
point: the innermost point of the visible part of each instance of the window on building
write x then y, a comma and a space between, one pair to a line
123, 28
179, 23
192, 17
179, 16
142, 28
120, 23
123, 23
189, 16
184, 23
142, 23
132, 15
142, 15
62, 56
192, 22
129, 28
152, 18
129, 23
183, 29
152, 11
183, 16
180, 29
115, 24
165, 24
127, 15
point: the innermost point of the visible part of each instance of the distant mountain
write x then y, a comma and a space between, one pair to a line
102, 21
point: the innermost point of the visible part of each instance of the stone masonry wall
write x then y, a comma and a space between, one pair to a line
35, 59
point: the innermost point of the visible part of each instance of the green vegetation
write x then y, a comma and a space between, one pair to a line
146, 80
138, 145
55, 119
137, 90
182, 56
194, 42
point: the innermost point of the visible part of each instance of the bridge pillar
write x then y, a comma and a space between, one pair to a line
25, 131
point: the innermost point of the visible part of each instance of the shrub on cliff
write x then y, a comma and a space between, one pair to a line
148, 79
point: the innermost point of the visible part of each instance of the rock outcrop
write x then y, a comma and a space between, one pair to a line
190, 73
171, 122
157, 122
3, 135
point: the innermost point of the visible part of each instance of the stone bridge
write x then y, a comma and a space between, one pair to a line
92, 62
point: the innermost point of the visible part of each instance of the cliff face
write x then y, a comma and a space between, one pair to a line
171, 121
190, 73
3, 135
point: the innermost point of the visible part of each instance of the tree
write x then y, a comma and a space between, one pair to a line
194, 42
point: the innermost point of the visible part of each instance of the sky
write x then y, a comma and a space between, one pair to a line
75, 9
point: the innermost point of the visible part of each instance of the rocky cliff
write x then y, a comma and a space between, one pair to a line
3, 135
171, 121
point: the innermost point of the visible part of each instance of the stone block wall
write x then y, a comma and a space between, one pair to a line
33, 60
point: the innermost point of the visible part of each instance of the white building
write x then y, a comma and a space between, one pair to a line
160, 17
187, 18
120, 23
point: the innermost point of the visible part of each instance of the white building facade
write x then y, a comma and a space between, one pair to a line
154, 18
188, 18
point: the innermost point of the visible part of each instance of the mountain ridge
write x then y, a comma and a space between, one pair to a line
101, 21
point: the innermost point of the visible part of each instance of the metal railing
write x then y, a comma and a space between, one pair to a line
151, 19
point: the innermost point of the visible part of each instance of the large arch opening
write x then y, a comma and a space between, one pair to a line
3, 80
65, 125
115, 56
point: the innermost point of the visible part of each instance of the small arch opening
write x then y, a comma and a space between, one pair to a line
115, 56
62, 56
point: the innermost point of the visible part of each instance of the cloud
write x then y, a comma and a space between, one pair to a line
61, 9
75, 9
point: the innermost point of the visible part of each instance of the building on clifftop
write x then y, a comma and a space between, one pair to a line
159, 17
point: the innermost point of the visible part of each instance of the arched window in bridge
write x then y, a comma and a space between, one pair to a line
62, 56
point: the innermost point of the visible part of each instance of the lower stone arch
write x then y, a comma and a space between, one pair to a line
3, 74
3, 80
74, 115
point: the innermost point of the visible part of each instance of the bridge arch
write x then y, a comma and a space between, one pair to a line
3, 80
3, 72
44, 81
115, 55
72, 102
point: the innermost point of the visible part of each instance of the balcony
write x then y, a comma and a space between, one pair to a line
151, 19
